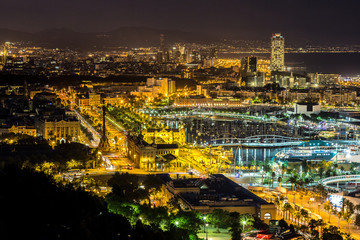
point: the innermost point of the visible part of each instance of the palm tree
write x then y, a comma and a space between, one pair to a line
320, 224
313, 224
253, 163
272, 179
293, 181
277, 203
304, 214
279, 180
291, 211
349, 210
321, 191
304, 165
339, 216
297, 216
357, 208
347, 217
283, 210
287, 208
299, 183
307, 181
281, 203
328, 207
245, 220
283, 169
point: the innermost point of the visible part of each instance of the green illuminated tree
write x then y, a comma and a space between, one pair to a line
127, 187
219, 218
157, 216
189, 220
152, 185
235, 228
293, 181
246, 220
174, 205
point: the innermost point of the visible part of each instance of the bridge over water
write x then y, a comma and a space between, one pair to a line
257, 141
338, 179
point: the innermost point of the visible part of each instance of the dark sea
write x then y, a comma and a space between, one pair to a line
345, 64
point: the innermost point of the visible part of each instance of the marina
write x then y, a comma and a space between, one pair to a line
313, 150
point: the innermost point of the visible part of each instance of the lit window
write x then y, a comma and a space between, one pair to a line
267, 216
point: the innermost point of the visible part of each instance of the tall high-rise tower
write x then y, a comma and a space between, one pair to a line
248, 66
162, 42
277, 52
4, 57
104, 142
161, 55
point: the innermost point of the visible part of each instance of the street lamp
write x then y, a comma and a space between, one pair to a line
99, 157
206, 231
204, 218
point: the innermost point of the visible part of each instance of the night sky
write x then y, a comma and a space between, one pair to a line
318, 20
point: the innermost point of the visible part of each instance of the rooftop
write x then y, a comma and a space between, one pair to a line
166, 146
215, 190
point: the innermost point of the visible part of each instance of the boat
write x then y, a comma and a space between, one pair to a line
314, 150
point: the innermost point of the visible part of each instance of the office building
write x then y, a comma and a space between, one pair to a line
156, 86
248, 66
165, 135
59, 128
306, 108
88, 100
151, 156
277, 52
18, 129
162, 42
217, 192
254, 80
326, 79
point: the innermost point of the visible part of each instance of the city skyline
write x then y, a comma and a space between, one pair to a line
277, 52
180, 119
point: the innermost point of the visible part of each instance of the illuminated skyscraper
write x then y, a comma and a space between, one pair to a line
248, 66
162, 42
4, 57
277, 52
162, 54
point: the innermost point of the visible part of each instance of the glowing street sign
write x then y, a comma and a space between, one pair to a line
336, 200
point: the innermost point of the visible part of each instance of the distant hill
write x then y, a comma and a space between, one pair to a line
125, 36
13, 35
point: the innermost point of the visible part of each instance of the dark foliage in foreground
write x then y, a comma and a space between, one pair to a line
33, 206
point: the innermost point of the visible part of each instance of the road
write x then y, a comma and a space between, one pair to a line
96, 135
113, 130
317, 211
211, 233
317, 207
